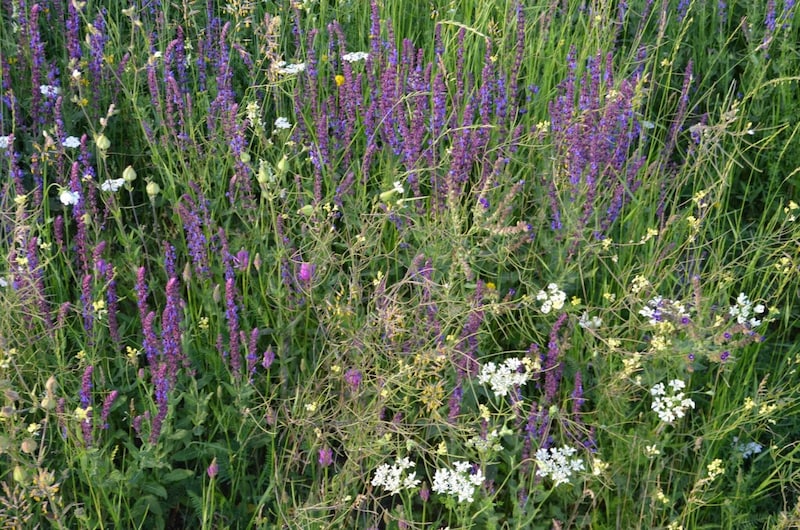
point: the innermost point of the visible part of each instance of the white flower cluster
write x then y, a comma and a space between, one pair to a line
594, 322
553, 298
491, 443
659, 308
392, 478
72, 142
743, 309
49, 91
557, 464
460, 482
353, 57
673, 406
747, 449
282, 123
290, 69
504, 377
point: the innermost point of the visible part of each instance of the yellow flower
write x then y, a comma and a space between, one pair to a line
82, 414
339, 80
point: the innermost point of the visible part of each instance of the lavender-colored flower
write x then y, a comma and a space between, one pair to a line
306, 272
232, 316
107, 403
213, 468
268, 358
161, 389
353, 378
325, 457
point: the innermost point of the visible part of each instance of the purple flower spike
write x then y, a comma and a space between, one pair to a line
325, 456
306, 272
353, 378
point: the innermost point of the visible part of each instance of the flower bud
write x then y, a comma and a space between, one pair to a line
28, 446
283, 165
129, 175
102, 142
153, 189
19, 475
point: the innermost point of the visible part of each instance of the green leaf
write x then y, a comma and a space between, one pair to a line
177, 475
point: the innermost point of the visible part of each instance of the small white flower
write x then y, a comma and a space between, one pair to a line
590, 323
69, 198
3, 282
673, 406
460, 482
290, 69
72, 142
353, 57
49, 90
505, 377
282, 123
5, 141
392, 478
557, 464
112, 184
398, 186
553, 298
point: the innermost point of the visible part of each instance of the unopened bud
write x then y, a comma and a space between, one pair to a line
153, 189
129, 175
283, 165
102, 142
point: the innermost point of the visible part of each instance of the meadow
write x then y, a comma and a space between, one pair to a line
399, 264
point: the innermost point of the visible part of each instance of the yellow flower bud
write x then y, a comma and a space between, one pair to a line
102, 142
153, 189
283, 165
245, 158
129, 175
19, 475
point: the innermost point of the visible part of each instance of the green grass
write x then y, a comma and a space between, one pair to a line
261, 323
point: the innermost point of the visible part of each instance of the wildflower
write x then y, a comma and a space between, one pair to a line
504, 377
397, 187
556, 463
129, 174
290, 69
460, 482
306, 272
213, 468
353, 378
5, 141
590, 323
83, 414
72, 142
69, 198
282, 123
353, 57
393, 478
339, 80
102, 142
152, 189
553, 298
673, 406
742, 310
112, 185
746, 449
715, 469
325, 457
49, 91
